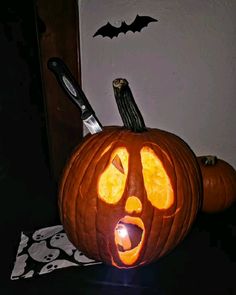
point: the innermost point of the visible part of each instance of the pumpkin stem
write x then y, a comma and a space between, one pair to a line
209, 160
127, 107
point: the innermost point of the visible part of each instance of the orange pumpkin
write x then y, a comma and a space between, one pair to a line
129, 195
219, 184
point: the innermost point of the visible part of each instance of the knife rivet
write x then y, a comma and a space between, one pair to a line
83, 107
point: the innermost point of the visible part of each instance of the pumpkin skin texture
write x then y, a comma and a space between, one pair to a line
128, 195
219, 184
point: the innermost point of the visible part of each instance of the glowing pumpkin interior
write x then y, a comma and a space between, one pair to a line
112, 182
129, 232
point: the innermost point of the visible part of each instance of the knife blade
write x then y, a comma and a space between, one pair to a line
74, 91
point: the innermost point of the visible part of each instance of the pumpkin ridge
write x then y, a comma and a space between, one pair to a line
76, 225
186, 216
232, 182
86, 200
154, 253
193, 205
231, 185
76, 163
105, 138
148, 230
184, 166
113, 147
144, 249
158, 244
148, 237
177, 155
62, 186
169, 152
65, 172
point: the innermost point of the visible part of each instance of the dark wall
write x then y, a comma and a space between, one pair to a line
28, 195
22, 111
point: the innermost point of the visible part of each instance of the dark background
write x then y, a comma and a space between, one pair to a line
204, 263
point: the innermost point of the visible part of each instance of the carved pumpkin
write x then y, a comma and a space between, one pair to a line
219, 184
129, 195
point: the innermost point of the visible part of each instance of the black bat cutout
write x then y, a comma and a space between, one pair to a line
136, 26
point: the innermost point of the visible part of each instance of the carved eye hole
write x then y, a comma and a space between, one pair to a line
156, 181
111, 183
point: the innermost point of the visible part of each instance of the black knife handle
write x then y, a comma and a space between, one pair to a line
70, 86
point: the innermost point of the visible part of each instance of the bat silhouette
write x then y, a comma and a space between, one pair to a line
136, 26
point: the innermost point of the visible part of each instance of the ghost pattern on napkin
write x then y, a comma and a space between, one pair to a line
44, 251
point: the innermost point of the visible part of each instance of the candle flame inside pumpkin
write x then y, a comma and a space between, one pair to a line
129, 237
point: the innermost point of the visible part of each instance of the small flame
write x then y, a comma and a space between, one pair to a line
123, 237
122, 232
129, 237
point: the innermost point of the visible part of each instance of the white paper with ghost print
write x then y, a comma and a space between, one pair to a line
45, 250
23, 243
46, 232
58, 263
60, 240
40, 252
20, 265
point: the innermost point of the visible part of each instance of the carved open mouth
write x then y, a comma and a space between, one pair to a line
129, 237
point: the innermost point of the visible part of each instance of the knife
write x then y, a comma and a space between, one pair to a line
74, 91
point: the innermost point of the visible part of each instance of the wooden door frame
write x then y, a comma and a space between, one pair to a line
58, 36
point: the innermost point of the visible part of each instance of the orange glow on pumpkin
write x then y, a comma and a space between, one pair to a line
112, 181
129, 232
133, 204
156, 181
